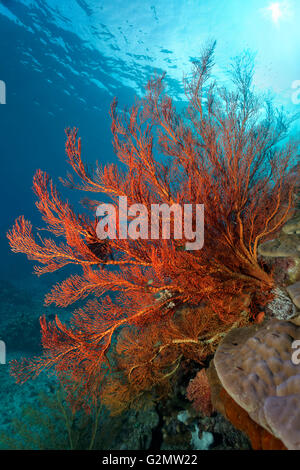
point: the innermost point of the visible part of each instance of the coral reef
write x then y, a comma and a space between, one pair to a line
146, 362
44, 420
254, 365
183, 427
35, 416
285, 246
260, 438
293, 227
157, 303
50, 424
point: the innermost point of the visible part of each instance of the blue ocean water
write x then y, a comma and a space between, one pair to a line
63, 61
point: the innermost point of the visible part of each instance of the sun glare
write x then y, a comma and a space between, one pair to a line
276, 11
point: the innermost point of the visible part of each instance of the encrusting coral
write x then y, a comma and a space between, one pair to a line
293, 227
222, 153
294, 292
260, 438
255, 366
286, 245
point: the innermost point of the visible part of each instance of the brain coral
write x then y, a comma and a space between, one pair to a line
255, 367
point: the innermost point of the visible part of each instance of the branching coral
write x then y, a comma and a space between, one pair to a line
221, 153
148, 360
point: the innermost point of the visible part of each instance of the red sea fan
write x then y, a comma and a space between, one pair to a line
222, 153
198, 392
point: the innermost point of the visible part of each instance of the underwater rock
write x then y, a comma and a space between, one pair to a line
188, 430
293, 225
185, 428
286, 245
294, 292
141, 424
255, 367
202, 443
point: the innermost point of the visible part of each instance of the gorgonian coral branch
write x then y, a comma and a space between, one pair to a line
223, 153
